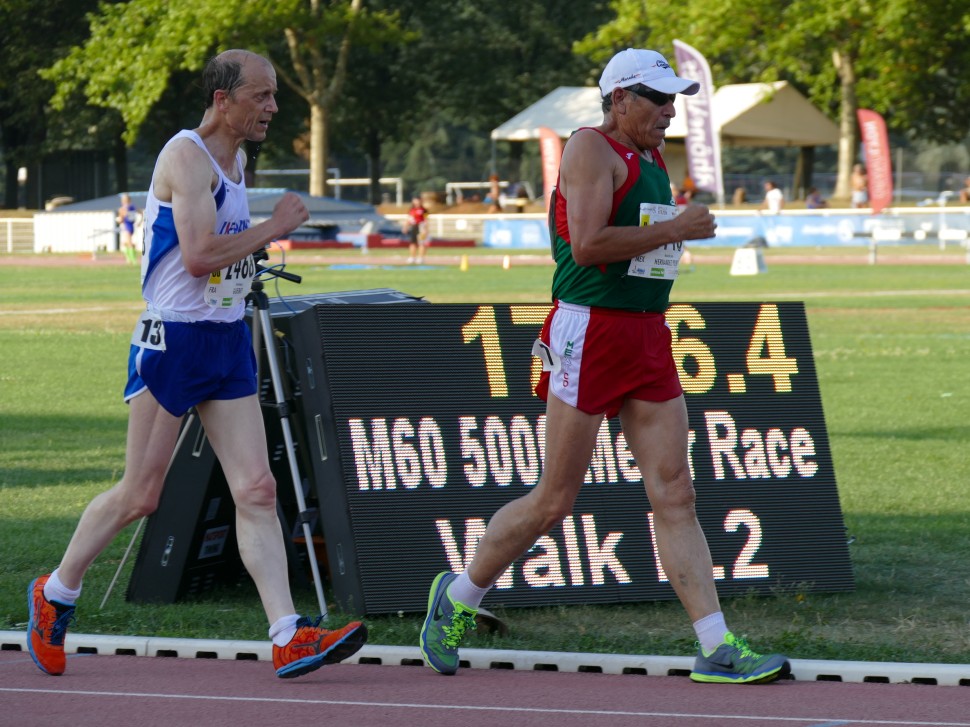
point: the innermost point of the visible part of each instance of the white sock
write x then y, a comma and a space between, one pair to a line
711, 631
283, 630
466, 592
54, 590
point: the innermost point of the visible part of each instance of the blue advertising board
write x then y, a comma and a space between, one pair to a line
820, 228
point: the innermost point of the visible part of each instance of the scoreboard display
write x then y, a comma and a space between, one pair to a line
421, 421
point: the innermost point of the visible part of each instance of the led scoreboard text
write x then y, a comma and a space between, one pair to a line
434, 426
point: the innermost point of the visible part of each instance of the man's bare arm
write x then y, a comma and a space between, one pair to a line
185, 177
589, 173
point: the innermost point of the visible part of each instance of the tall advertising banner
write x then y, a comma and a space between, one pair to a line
703, 140
550, 146
879, 167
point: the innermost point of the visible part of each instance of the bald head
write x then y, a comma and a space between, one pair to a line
227, 72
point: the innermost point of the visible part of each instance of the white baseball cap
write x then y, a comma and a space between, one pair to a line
633, 65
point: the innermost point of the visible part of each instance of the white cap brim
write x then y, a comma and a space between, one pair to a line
673, 84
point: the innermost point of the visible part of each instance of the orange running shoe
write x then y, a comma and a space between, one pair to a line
47, 628
312, 647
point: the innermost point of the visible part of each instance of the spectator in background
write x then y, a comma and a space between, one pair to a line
859, 181
965, 192
494, 191
739, 197
126, 218
416, 227
774, 199
814, 200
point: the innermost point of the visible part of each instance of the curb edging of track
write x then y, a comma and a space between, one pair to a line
802, 669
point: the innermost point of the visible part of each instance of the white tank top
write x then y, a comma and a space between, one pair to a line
167, 287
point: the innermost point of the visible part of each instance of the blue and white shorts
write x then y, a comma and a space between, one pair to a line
201, 362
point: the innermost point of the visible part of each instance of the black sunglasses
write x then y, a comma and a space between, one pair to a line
655, 97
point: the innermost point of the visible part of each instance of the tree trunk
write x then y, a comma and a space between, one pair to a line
804, 167
318, 150
848, 125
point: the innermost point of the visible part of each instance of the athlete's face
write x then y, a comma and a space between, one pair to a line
253, 104
647, 119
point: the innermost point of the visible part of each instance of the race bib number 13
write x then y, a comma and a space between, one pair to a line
149, 332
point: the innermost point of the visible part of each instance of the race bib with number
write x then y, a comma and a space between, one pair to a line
149, 332
231, 285
660, 264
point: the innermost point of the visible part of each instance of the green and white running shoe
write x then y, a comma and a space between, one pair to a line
733, 662
445, 626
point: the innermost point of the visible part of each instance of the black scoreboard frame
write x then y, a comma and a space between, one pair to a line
420, 422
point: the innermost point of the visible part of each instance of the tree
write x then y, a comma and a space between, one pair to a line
903, 58
34, 33
135, 47
383, 99
461, 73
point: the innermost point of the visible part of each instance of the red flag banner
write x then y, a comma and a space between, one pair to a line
550, 146
879, 168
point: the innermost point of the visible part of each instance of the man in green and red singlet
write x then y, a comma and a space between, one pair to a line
606, 350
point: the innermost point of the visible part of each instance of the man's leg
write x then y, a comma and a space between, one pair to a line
235, 430
570, 437
422, 244
657, 435
152, 433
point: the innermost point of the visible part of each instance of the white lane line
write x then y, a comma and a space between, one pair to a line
62, 311
807, 721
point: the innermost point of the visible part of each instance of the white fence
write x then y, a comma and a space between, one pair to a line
465, 227
75, 231
16, 234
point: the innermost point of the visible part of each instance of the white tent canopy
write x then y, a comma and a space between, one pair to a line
563, 110
747, 114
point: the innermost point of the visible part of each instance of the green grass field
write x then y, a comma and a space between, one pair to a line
891, 344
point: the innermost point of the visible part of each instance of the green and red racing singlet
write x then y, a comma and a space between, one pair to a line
611, 286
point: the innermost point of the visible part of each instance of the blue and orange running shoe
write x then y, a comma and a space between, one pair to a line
46, 628
312, 647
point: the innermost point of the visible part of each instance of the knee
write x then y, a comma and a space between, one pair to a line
548, 512
257, 494
674, 496
135, 496
140, 503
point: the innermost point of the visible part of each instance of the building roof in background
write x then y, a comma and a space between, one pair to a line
747, 114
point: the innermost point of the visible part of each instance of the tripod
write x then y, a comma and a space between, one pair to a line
263, 331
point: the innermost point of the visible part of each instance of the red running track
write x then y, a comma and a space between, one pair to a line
132, 690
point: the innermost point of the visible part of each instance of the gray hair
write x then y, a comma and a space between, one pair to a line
223, 72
